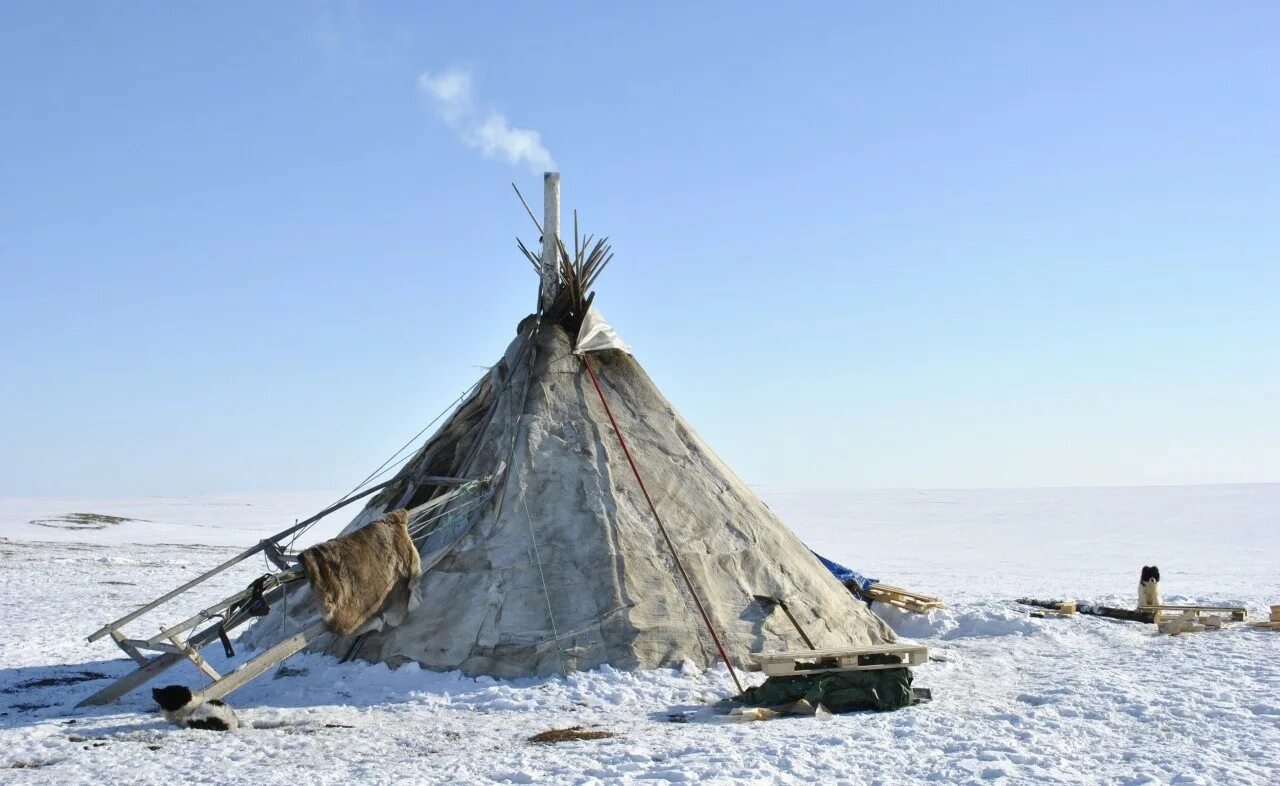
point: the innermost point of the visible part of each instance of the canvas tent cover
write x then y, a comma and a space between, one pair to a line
559, 566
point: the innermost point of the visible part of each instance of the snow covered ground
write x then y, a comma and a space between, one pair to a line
1016, 699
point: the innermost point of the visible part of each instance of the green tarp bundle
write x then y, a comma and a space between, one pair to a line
838, 691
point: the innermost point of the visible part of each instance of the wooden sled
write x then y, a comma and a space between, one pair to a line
237, 609
1236, 613
905, 599
781, 664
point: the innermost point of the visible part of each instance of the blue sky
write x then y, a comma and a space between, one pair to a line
998, 244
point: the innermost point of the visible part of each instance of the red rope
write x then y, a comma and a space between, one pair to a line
661, 527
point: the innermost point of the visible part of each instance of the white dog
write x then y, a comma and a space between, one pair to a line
1149, 586
180, 710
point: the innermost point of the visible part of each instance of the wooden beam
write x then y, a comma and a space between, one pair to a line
154, 668
130, 648
157, 647
191, 654
250, 669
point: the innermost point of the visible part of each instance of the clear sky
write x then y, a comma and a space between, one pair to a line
247, 246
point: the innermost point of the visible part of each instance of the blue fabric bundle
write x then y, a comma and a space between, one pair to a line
845, 575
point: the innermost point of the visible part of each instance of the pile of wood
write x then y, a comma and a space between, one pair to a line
904, 599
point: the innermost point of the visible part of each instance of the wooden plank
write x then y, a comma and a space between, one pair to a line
251, 669
154, 668
129, 647
906, 593
156, 647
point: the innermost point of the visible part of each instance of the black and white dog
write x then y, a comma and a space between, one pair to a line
1149, 586
180, 710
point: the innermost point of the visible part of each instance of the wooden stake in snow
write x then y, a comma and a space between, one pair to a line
550, 240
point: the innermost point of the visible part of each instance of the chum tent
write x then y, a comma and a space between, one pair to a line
559, 563
566, 517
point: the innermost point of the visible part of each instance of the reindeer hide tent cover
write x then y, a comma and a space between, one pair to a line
558, 565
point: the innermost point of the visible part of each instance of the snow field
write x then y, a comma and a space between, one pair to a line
1016, 699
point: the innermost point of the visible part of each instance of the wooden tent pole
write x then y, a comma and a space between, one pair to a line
550, 274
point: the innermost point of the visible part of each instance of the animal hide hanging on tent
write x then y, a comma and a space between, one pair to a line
371, 571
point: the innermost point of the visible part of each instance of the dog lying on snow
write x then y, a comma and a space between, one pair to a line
179, 709
1149, 586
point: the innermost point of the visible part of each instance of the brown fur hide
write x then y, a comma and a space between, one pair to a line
357, 575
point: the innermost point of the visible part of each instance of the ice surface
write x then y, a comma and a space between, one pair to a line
1016, 699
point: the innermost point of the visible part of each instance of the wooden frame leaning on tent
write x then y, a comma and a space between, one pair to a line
233, 611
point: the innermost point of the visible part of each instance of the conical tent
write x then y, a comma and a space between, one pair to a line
557, 564
592, 525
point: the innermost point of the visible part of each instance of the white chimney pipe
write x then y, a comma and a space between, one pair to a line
550, 285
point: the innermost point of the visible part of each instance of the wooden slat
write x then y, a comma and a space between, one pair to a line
154, 668
130, 648
821, 661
